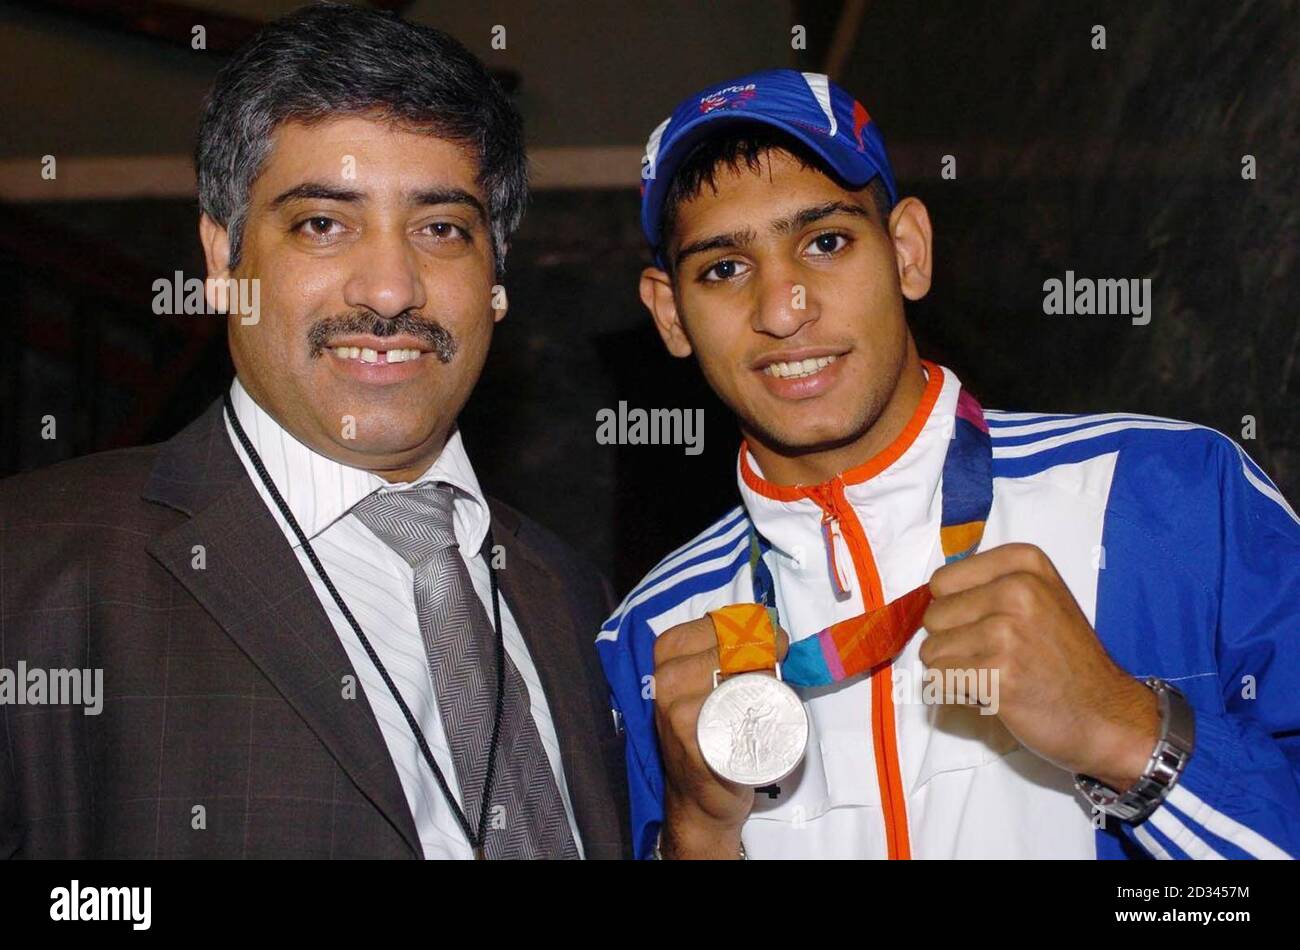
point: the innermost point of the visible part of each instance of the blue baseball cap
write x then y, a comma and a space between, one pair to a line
808, 106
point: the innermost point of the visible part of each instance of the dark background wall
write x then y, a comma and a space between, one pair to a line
1117, 163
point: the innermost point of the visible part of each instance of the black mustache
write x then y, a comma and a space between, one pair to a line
427, 330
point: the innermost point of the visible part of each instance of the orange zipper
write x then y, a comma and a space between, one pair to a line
840, 526
839, 521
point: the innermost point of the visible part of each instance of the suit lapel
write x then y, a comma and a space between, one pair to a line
254, 587
537, 601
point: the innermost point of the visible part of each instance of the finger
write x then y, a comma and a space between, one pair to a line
694, 636
962, 684
679, 719
1019, 593
963, 680
687, 675
961, 608
986, 566
682, 745
983, 640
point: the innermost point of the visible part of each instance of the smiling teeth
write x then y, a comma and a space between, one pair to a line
799, 368
367, 355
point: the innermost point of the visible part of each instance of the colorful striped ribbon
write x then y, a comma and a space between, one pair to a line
862, 643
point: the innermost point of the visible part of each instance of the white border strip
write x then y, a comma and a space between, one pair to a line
1181, 835
1229, 829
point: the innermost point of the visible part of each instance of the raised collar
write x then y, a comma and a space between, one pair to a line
902, 480
319, 491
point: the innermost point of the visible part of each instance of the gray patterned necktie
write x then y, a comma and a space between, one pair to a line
526, 817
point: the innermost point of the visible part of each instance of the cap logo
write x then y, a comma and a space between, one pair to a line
731, 97
860, 120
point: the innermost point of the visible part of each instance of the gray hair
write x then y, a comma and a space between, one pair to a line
330, 60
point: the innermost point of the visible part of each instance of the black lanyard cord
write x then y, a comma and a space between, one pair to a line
476, 840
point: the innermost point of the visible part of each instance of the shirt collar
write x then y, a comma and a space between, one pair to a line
319, 491
907, 470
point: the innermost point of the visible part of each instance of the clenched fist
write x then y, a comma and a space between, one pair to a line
1059, 692
703, 814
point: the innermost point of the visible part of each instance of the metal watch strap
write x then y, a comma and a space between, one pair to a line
1168, 761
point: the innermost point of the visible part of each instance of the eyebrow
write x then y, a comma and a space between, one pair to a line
793, 222
717, 242
807, 216
422, 197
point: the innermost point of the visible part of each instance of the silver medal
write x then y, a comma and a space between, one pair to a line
752, 729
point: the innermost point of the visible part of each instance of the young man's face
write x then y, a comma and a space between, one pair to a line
354, 223
789, 290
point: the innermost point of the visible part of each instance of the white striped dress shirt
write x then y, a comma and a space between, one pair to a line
378, 587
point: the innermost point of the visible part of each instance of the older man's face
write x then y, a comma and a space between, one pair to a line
373, 251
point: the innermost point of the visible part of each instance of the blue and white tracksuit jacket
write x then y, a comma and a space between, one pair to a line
1182, 554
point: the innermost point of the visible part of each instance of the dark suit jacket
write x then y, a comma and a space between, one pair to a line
224, 730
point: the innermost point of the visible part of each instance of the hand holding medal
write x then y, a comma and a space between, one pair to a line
703, 813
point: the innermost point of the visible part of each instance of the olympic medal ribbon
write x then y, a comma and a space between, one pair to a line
860, 644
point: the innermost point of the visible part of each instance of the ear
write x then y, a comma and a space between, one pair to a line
909, 226
216, 253
657, 295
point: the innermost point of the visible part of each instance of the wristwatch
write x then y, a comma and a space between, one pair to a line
1168, 761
